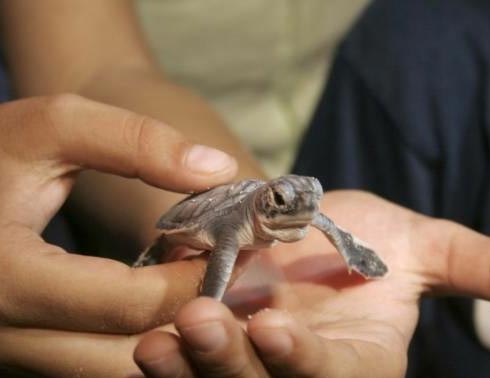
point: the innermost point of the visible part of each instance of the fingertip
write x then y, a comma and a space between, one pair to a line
204, 324
159, 355
215, 341
153, 345
270, 331
201, 309
287, 348
196, 168
204, 160
165, 158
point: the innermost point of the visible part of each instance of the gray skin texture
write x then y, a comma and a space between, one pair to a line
249, 215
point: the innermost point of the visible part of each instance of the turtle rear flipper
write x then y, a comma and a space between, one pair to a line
357, 256
153, 254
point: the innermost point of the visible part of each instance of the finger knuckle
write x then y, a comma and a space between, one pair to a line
57, 106
136, 138
59, 110
146, 138
138, 130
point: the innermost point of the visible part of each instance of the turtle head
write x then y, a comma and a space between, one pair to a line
287, 203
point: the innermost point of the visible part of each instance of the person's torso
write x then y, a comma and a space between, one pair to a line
261, 63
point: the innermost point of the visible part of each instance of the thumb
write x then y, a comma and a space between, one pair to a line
82, 133
465, 265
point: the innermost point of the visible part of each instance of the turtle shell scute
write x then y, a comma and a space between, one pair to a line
202, 206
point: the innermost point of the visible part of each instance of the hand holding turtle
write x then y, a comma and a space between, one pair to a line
60, 312
249, 215
335, 325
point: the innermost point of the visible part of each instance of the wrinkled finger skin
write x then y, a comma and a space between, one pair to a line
46, 293
211, 344
46, 139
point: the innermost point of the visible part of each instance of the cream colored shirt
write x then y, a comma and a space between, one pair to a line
260, 63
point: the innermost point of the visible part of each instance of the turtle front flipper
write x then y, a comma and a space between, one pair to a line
220, 264
357, 256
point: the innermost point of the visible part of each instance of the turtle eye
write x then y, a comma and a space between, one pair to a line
278, 198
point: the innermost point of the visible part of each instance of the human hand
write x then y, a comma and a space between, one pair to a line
325, 322
66, 315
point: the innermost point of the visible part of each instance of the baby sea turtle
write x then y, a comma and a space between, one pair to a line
253, 214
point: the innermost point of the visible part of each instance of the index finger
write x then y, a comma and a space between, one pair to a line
44, 287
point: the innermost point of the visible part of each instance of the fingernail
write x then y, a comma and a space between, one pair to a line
273, 342
203, 159
205, 337
170, 366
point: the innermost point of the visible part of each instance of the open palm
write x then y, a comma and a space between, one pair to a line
369, 321
338, 324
